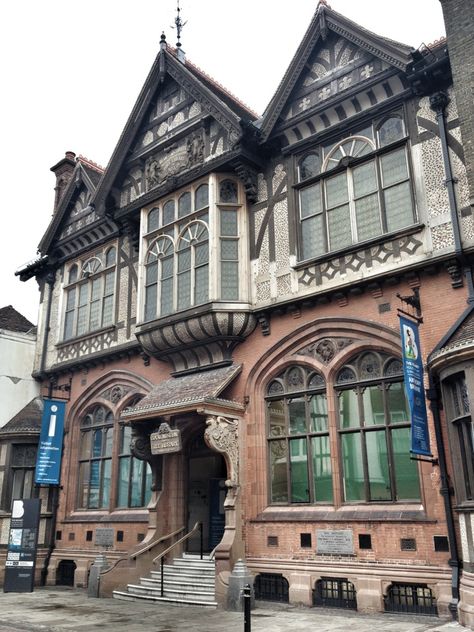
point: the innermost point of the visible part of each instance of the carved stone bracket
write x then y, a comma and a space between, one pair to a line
249, 178
455, 272
222, 435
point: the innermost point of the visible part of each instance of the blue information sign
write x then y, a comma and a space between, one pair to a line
414, 388
48, 463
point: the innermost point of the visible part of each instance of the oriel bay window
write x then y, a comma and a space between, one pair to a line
355, 189
362, 440
192, 248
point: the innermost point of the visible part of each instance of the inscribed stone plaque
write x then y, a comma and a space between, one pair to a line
165, 440
335, 542
104, 537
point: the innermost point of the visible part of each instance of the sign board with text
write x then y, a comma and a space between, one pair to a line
22, 543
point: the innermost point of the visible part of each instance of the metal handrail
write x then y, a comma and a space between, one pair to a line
148, 547
183, 539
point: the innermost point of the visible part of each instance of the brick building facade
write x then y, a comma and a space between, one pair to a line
237, 279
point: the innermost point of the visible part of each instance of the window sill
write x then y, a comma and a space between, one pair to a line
360, 513
133, 514
89, 334
361, 245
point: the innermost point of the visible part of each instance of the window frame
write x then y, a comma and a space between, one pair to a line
323, 176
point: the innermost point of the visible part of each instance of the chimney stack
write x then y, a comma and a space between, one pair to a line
63, 171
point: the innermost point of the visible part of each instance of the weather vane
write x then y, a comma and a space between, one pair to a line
179, 24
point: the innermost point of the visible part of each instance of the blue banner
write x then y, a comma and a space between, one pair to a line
48, 462
414, 387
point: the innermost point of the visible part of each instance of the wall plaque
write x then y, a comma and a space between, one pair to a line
335, 542
165, 440
104, 538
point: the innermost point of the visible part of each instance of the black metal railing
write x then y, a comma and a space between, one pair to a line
410, 598
335, 592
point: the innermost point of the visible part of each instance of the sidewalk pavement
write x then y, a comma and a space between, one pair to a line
63, 609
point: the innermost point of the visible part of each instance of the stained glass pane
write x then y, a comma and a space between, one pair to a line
229, 224
201, 288
72, 274
297, 415
313, 241
94, 318
339, 223
276, 419
394, 167
106, 480
309, 166
184, 259
377, 460
166, 296
110, 257
150, 302
168, 212
153, 219
96, 289
318, 413
167, 267
83, 485
398, 206
184, 204
364, 179
368, 217
184, 290
124, 474
201, 253
83, 294
353, 469
278, 471
230, 280
71, 299
69, 325
94, 484
406, 470
228, 192
229, 249
97, 443
390, 131
310, 200
201, 197
109, 283
108, 440
81, 320
348, 409
299, 471
372, 398
322, 473
336, 190
397, 403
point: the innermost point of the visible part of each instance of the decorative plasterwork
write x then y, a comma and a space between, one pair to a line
325, 349
222, 435
115, 393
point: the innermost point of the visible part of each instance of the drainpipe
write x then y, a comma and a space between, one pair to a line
433, 397
47, 325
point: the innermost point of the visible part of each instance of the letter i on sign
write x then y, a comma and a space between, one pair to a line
52, 422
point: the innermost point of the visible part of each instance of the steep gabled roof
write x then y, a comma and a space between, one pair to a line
11, 320
85, 172
325, 20
214, 98
28, 420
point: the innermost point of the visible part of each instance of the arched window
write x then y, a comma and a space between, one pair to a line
90, 298
374, 430
159, 270
184, 204
201, 199
153, 219
361, 192
95, 459
134, 485
298, 438
193, 265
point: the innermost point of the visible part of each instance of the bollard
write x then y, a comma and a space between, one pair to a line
247, 608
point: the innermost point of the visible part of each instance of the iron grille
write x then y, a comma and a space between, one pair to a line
271, 587
413, 598
335, 592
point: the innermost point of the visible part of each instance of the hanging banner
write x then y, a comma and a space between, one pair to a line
22, 543
414, 388
48, 462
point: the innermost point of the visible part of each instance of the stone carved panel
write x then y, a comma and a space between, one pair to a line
222, 435
115, 393
325, 349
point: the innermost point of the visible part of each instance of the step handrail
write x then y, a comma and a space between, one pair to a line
197, 526
148, 547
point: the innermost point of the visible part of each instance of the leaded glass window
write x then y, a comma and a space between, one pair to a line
374, 431
95, 459
359, 190
89, 299
298, 438
22, 463
134, 484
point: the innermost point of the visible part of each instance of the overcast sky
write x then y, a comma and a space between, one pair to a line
71, 72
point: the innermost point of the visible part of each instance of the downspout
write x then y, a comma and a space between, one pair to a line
438, 103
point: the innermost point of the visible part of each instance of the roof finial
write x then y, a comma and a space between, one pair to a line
179, 25
163, 40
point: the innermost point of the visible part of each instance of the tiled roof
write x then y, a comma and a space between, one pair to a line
27, 420
11, 320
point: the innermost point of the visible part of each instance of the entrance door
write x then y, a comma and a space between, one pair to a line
206, 495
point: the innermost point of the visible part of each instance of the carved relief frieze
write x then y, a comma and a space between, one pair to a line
115, 393
222, 435
325, 349
388, 252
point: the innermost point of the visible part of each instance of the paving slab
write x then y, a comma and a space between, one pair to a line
63, 609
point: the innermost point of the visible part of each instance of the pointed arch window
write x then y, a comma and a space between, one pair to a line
89, 300
355, 190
